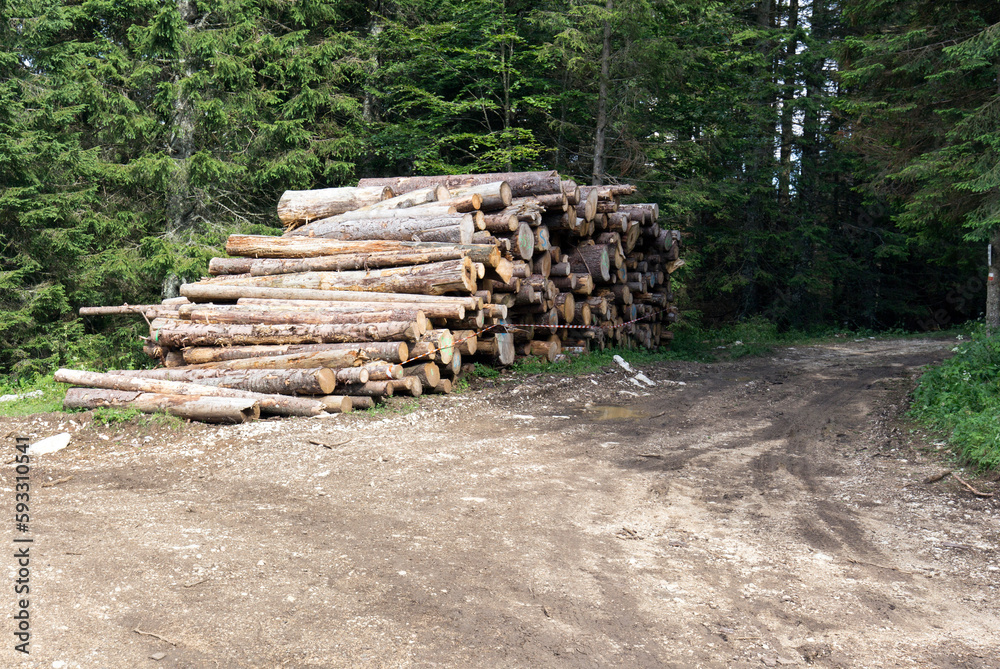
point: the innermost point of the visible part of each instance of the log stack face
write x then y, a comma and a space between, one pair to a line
388, 287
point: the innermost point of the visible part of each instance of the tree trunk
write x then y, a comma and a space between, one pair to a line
435, 346
271, 381
521, 183
350, 375
593, 260
208, 292
265, 246
150, 310
401, 227
381, 371
993, 289
488, 255
253, 314
787, 108
190, 407
430, 309
371, 389
340, 355
586, 208
339, 403
597, 175
304, 206
281, 405
428, 374
431, 279
493, 196
180, 334
181, 211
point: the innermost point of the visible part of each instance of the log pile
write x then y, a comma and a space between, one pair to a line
391, 287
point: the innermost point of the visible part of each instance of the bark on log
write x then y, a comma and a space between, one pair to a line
371, 389
302, 206
253, 314
407, 386
190, 407
380, 371
542, 264
593, 260
435, 346
341, 355
430, 309
180, 334
548, 349
572, 192
521, 183
263, 246
401, 228
434, 193
206, 292
338, 403
465, 341
501, 223
586, 208
493, 196
500, 347
352, 375
488, 255
566, 304
281, 405
150, 310
428, 374
223, 266
268, 381
431, 279
523, 269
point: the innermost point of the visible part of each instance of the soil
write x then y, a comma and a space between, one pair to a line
760, 512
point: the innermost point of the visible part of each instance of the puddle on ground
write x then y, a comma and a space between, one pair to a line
615, 413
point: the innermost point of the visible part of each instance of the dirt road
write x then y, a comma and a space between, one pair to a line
763, 512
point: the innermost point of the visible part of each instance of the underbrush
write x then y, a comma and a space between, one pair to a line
38, 394
961, 397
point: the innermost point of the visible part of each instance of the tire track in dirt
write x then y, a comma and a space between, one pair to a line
764, 513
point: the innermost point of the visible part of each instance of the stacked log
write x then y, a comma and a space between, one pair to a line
388, 288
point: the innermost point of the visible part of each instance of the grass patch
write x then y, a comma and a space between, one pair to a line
39, 394
111, 416
961, 398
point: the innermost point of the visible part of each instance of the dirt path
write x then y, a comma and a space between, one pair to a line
765, 512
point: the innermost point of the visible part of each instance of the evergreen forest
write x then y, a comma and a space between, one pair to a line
829, 163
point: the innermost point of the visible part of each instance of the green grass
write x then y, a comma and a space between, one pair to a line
961, 398
47, 395
110, 416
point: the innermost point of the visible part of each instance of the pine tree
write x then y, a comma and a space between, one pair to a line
925, 95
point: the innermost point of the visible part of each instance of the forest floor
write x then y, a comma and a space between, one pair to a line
770, 511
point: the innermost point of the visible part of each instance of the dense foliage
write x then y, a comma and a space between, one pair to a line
829, 163
962, 398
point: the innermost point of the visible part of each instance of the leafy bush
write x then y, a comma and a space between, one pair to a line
961, 397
